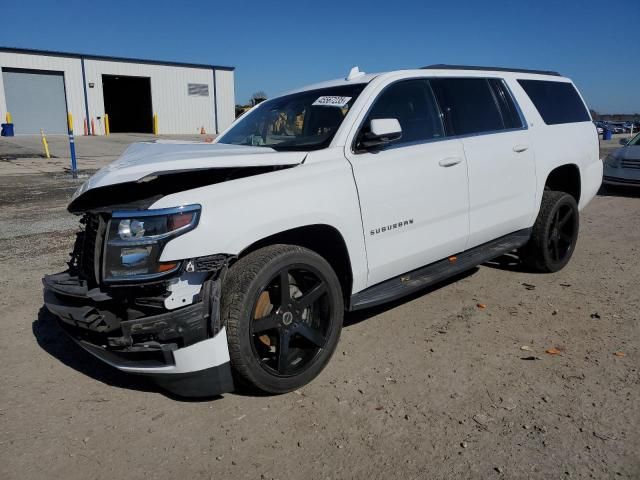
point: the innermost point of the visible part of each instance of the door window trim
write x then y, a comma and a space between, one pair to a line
525, 125
523, 120
354, 140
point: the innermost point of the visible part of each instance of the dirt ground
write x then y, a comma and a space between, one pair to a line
430, 387
24, 154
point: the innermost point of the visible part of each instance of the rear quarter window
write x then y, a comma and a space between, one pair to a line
556, 102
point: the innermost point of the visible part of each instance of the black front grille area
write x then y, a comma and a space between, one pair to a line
86, 255
88, 264
631, 163
621, 180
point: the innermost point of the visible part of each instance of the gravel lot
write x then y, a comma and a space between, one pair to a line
429, 387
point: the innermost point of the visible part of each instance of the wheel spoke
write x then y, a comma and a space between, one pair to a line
269, 322
311, 296
566, 237
285, 296
567, 216
556, 218
311, 334
283, 351
556, 249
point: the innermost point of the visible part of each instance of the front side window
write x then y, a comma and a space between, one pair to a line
411, 102
557, 102
300, 121
468, 104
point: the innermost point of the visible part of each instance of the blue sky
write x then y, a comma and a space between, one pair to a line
276, 46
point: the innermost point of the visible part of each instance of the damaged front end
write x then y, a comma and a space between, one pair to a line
121, 304
118, 299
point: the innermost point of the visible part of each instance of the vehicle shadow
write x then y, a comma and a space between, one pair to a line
353, 318
509, 262
619, 191
52, 339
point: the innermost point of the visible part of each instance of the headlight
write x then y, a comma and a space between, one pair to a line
612, 161
135, 240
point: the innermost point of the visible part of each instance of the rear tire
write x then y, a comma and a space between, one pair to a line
281, 338
555, 233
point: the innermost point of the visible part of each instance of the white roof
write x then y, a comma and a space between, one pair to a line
472, 72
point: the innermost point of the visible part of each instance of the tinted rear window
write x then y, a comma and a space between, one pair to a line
468, 105
510, 115
557, 102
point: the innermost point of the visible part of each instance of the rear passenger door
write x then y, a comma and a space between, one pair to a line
413, 192
502, 178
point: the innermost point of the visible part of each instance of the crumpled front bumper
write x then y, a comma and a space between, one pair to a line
178, 348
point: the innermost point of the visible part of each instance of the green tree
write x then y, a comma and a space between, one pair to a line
258, 97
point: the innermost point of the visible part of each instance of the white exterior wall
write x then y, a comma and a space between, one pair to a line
178, 112
72, 81
225, 90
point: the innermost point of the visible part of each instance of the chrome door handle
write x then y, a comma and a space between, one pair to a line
520, 148
449, 161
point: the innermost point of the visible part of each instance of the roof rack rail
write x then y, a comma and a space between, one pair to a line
443, 66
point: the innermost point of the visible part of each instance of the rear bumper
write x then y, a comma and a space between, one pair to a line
177, 348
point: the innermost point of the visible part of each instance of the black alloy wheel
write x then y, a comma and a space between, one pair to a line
289, 323
562, 233
554, 234
282, 307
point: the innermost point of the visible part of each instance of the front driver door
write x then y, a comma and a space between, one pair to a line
413, 193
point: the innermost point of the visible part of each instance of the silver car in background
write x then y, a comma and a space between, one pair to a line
622, 167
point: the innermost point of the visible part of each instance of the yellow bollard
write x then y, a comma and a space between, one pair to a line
8, 117
106, 124
155, 124
45, 144
70, 122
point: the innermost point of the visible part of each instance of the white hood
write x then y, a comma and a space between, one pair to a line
143, 159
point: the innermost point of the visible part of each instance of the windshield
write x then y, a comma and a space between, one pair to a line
635, 141
300, 121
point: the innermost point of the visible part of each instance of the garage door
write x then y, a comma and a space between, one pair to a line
36, 100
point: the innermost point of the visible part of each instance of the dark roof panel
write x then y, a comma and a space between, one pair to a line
52, 53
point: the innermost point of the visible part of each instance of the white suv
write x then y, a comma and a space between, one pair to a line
209, 266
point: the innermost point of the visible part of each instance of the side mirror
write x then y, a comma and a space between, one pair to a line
382, 131
624, 141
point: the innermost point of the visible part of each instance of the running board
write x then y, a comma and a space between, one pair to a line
436, 272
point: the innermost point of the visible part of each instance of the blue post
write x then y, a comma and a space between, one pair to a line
72, 147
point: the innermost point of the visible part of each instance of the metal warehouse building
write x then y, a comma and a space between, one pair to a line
38, 88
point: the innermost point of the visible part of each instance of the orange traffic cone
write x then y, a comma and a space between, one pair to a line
86, 130
202, 132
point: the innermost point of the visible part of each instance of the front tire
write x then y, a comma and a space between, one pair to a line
555, 233
283, 309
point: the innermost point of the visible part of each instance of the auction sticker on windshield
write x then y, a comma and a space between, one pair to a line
332, 101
